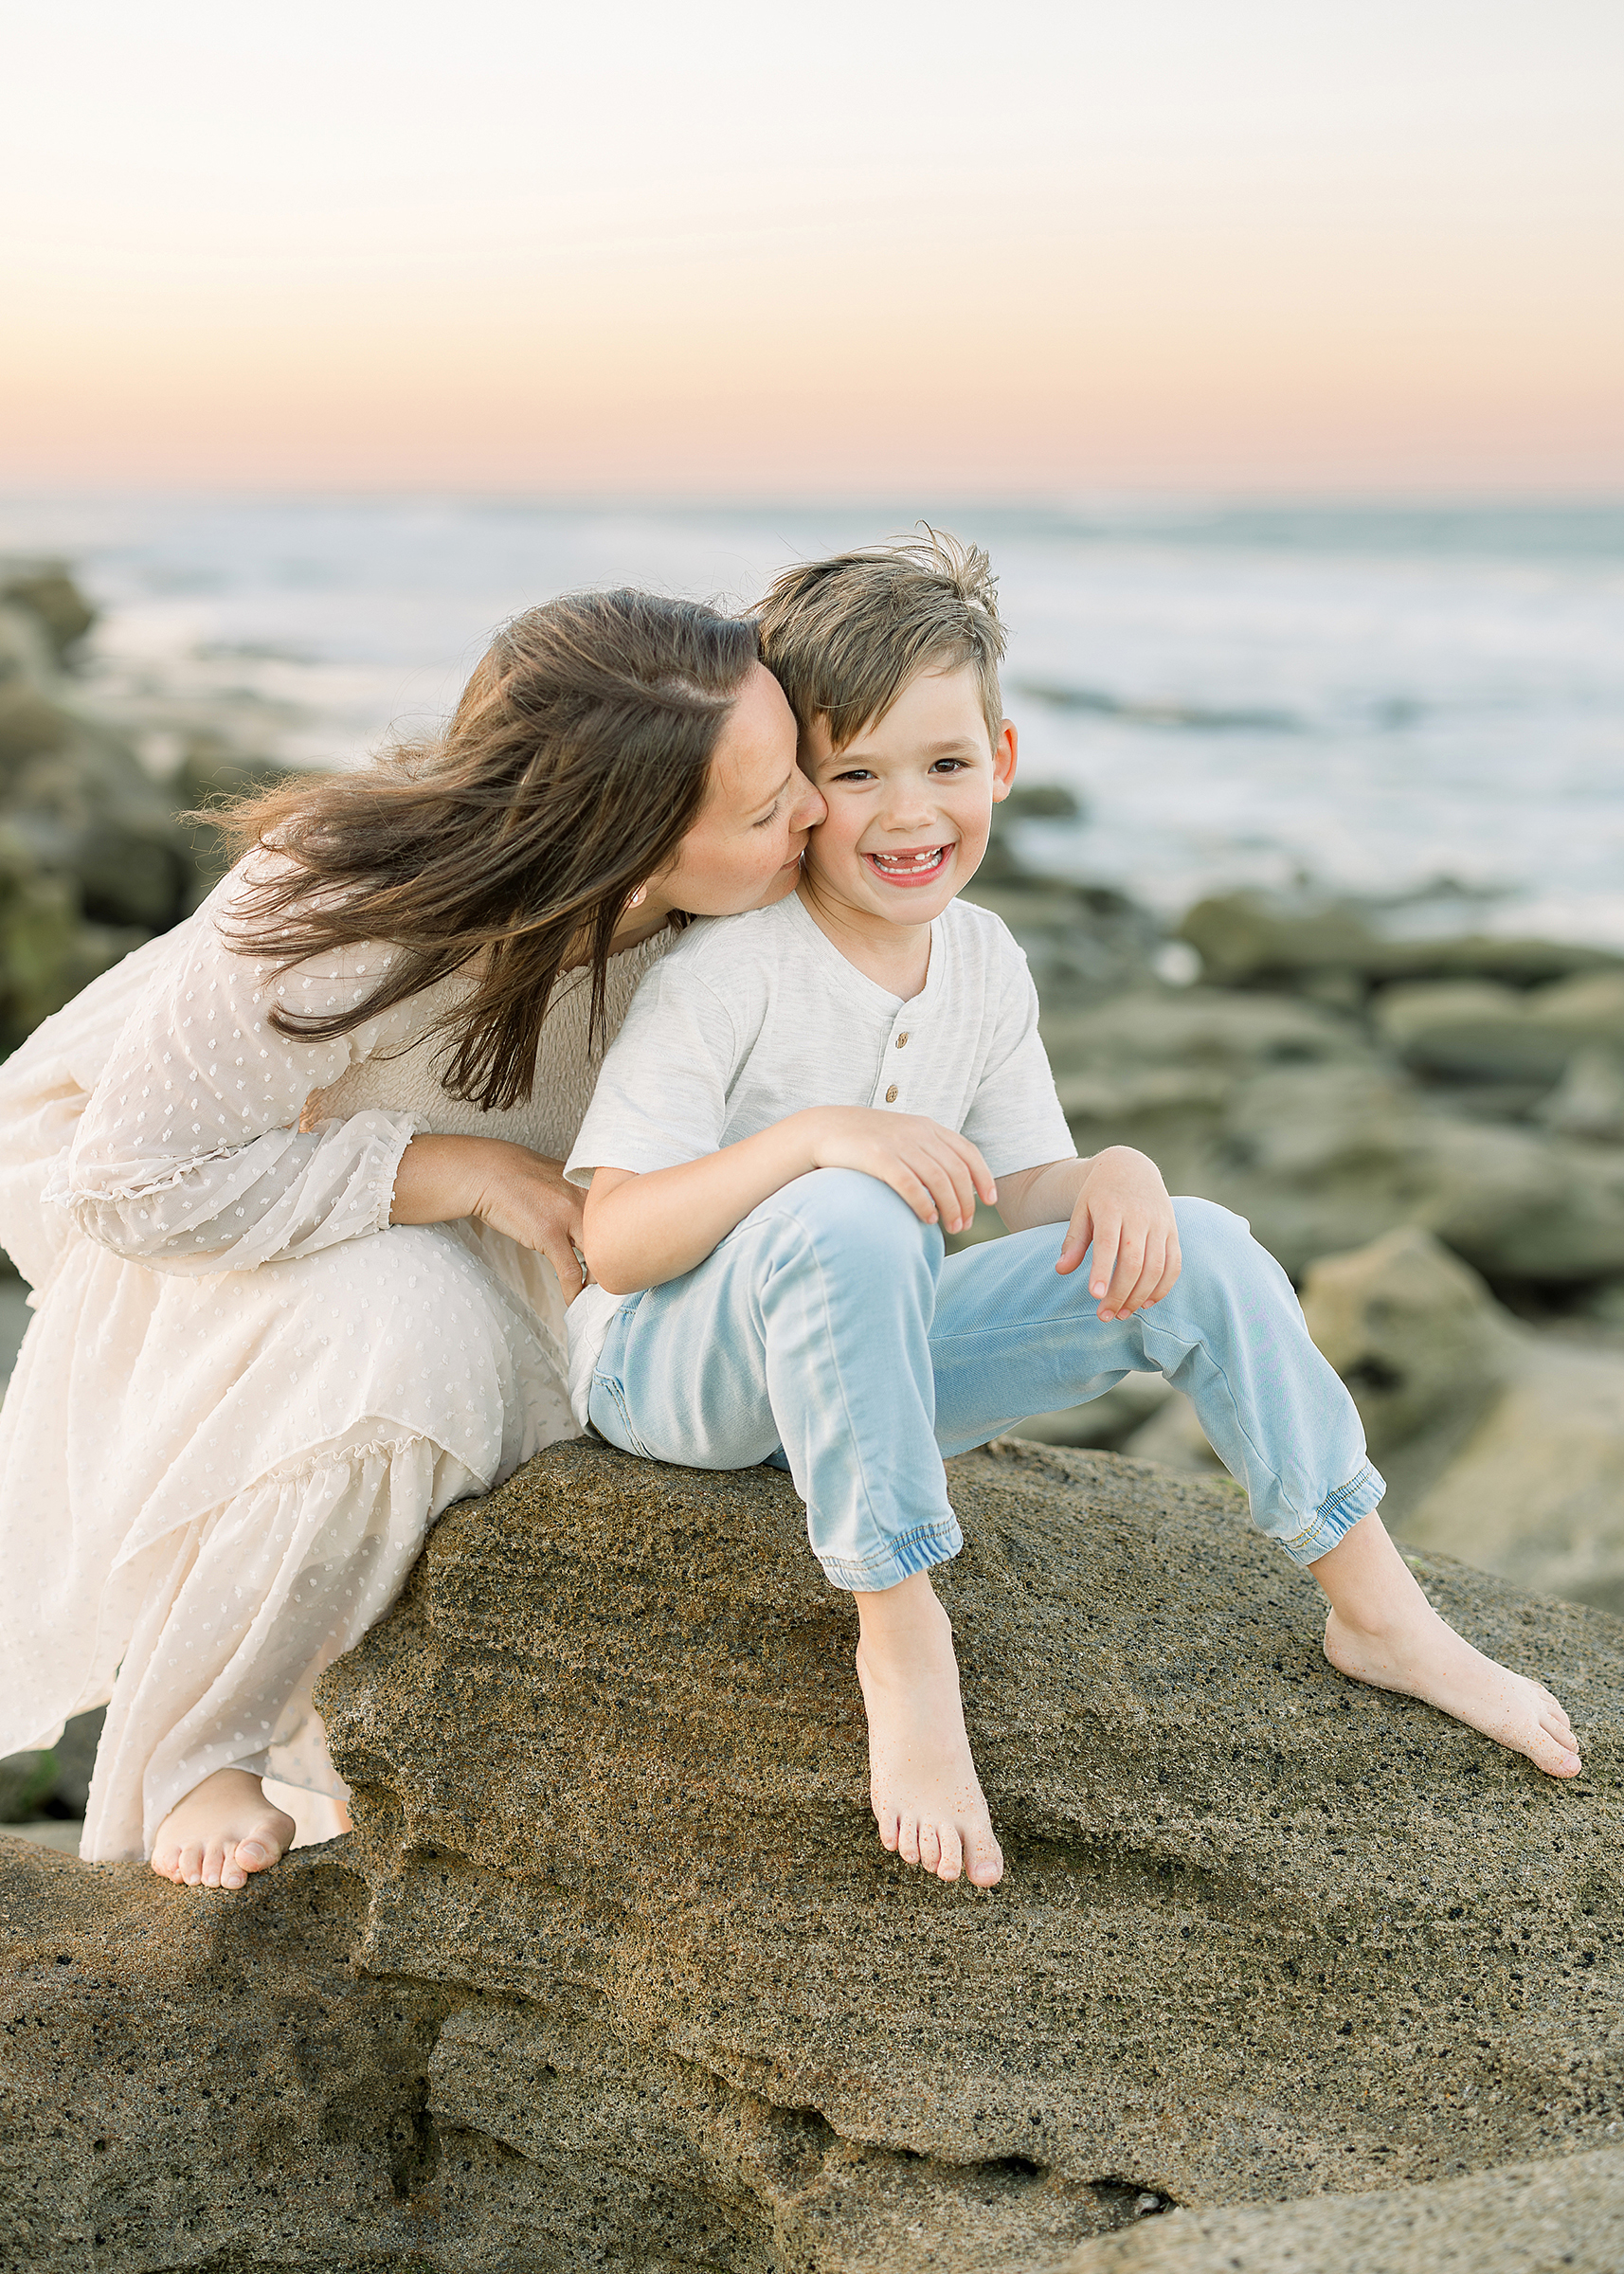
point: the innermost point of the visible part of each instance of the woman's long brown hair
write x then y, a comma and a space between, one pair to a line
573, 767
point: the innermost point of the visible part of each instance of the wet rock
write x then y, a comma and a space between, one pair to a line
1254, 938
48, 594
48, 950
1286, 1113
1244, 938
1589, 1099
93, 857
1162, 1068
1325, 1158
24, 1780
614, 1972
1499, 1445
1083, 942
1474, 1028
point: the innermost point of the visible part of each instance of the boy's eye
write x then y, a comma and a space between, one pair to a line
951, 765
856, 773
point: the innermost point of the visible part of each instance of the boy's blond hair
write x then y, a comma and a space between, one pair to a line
844, 635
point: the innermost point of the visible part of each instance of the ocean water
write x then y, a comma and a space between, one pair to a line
1420, 705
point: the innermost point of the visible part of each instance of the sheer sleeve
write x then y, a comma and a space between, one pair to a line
189, 1156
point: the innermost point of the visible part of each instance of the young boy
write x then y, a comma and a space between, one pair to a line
800, 1096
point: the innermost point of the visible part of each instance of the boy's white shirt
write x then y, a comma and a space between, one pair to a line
750, 1019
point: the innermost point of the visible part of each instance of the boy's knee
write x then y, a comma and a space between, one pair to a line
843, 1209
1216, 1240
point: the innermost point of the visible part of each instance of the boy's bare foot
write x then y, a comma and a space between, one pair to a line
1382, 1629
222, 1830
923, 1786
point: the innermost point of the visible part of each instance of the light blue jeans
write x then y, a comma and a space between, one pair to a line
829, 1334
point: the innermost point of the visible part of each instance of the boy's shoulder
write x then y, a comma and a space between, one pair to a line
981, 936
722, 949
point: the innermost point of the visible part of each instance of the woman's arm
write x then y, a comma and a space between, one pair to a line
643, 1230
188, 1155
504, 1185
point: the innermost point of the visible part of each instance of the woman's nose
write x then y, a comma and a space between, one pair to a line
810, 808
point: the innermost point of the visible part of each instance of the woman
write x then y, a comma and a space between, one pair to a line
287, 1184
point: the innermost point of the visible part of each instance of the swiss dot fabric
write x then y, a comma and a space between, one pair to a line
244, 1396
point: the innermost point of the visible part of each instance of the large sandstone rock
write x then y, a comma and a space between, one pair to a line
1264, 1933
615, 1974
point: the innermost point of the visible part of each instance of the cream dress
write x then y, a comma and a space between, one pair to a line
245, 1397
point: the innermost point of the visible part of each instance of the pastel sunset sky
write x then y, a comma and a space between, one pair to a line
1017, 249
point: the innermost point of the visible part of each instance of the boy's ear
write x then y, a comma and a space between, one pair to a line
1003, 763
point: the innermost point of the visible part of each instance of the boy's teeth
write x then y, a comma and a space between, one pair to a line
909, 860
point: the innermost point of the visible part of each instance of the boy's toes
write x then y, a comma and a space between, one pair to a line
908, 1840
890, 1830
950, 1852
1555, 1755
930, 1846
984, 1862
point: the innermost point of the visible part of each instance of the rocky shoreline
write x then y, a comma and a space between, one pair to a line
594, 1981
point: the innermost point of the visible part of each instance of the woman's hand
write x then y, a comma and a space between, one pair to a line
504, 1185
1123, 1211
934, 1169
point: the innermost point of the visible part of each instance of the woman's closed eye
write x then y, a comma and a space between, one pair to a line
770, 815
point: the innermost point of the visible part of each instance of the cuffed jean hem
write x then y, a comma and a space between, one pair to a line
1338, 1516
914, 1551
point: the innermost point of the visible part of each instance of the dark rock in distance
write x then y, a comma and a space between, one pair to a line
49, 594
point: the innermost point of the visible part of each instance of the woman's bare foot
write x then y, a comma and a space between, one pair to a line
923, 1786
1382, 1629
222, 1830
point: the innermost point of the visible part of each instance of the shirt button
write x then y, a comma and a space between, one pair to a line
900, 1041
891, 1096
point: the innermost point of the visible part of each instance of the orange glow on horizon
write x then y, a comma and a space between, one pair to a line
1256, 261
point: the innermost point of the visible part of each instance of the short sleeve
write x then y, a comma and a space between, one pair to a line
1016, 1117
661, 1097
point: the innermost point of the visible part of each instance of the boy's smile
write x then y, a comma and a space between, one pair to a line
909, 869
909, 810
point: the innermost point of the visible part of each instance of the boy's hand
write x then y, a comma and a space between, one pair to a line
935, 1170
1124, 1212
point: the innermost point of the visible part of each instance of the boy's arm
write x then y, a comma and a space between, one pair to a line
642, 1229
1115, 1202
